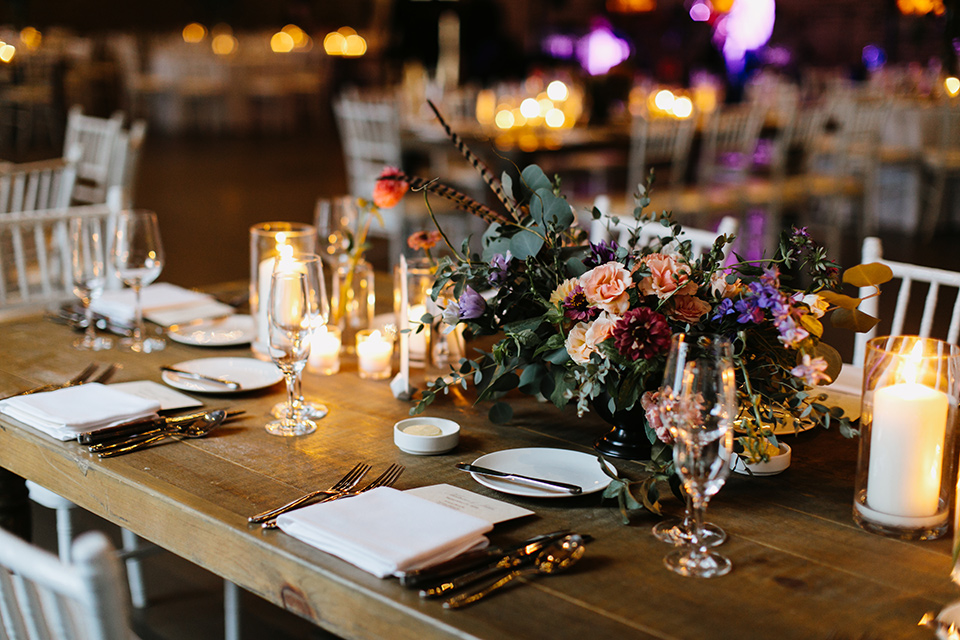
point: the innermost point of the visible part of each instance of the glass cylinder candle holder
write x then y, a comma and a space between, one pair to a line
325, 351
906, 471
353, 300
420, 275
374, 354
269, 240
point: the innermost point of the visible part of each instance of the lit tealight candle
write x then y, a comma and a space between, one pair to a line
906, 446
287, 263
373, 354
325, 351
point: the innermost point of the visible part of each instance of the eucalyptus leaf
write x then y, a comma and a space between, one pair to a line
506, 181
524, 244
500, 413
575, 267
534, 178
559, 356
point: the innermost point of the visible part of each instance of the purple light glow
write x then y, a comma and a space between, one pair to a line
700, 12
747, 27
600, 50
560, 46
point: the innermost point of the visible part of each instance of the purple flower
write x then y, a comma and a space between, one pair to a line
472, 304
724, 309
601, 253
749, 311
498, 268
577, 307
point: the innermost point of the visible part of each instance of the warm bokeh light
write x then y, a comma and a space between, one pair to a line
683, 107
952, 85
631, 6
281, 42
486, 106
7, 52
664, 100
31, 38
921, 7
557, 91
555, 118
722, 6
344, 42
530, 108
194, 32
223, 44
504, 119
300, 38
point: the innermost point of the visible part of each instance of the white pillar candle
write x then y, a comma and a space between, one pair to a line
906, 450
265, 271
417, 335
373, 354
325, 351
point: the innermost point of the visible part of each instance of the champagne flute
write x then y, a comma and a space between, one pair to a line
698, 403
88, 272
297, 306
137, 256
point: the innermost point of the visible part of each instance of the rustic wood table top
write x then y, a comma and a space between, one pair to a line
801, 567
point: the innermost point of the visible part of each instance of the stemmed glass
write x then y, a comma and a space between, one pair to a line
88, 272
297, 306
137, 256
698, 405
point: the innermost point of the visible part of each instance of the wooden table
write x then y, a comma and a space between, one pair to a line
802, 568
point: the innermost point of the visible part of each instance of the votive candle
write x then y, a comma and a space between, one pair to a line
374, 352
325, 351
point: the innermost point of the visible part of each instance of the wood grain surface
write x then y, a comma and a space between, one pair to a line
802, 568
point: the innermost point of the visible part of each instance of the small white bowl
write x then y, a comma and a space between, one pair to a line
426, 445
776, 464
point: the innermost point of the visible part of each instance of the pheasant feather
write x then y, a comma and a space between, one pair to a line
477, 164
462, 201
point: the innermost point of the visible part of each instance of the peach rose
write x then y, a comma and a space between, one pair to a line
606, 287
720, 287
576, 343
687, 308
600, 329
667, 277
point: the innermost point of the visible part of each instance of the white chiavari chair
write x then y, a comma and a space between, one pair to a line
43, 597
97, 139
665, 143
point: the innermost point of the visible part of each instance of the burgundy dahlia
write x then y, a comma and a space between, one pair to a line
642, 333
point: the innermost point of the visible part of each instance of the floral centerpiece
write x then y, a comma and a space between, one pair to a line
590, 324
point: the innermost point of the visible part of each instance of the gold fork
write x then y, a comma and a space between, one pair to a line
80, 378
385, 479
345, 483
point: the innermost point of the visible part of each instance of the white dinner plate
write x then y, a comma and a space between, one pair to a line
217, 332
573, 467
252, 374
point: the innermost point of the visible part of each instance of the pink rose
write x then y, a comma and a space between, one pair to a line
667, 277
650, 401
606, 287
687, 308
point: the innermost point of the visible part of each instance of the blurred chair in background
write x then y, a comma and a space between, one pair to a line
97, 139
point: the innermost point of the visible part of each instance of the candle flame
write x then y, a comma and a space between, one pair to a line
925, 620
910, 370
375, 336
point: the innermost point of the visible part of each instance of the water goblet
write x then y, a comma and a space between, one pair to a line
88, 273
698, 405
297, 306
137, 256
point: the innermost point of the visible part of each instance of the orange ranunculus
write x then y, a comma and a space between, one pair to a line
387, 193
667, 277
424, 240
606, 287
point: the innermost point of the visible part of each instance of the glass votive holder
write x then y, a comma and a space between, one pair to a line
374, 354
267, 241
325, 351
906, 471
420, 276
353, 301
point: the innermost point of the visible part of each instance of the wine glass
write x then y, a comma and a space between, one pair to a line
698, 405
137, 256
88, 272
296, 308
335, 220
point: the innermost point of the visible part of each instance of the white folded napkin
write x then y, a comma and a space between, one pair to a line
163, 303
66, 412
385, 531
